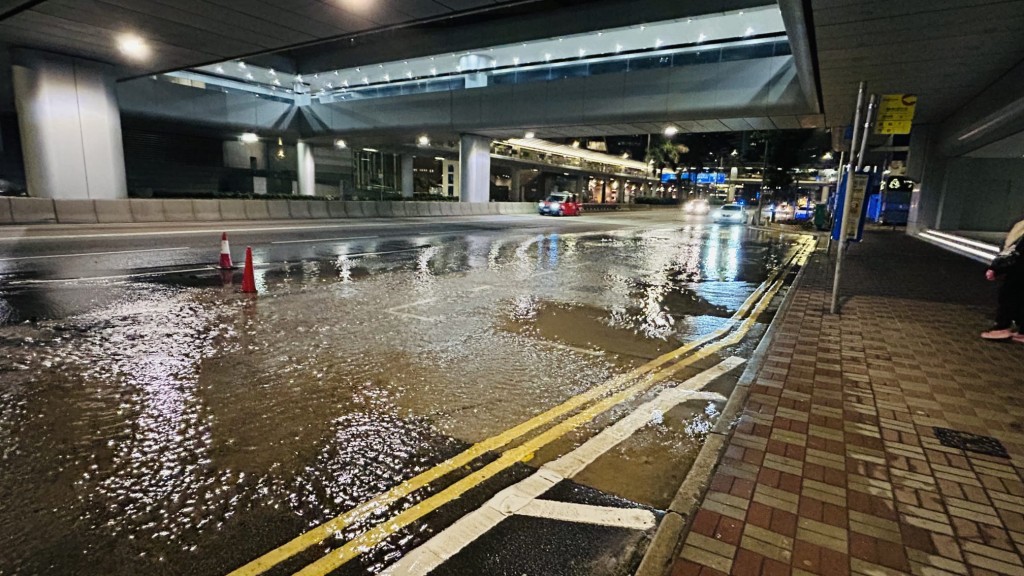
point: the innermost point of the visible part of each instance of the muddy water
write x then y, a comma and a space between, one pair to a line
173, 426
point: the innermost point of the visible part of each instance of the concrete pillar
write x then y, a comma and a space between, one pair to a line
475, 168
407, 176
70, 127
826, 191
927, 165
307, 169
516, 192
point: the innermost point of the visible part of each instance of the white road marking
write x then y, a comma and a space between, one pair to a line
630, 518
324, 240
358, 254
120, 277
92, 254
410, 305
573, 348
513, 499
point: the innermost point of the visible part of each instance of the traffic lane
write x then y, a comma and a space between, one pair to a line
99, 236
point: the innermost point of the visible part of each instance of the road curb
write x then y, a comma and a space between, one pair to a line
665, 544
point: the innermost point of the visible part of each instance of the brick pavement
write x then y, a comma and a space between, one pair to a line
834, 466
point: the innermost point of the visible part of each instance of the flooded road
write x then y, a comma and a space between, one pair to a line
153, 420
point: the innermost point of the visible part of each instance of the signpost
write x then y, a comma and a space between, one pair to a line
895, 113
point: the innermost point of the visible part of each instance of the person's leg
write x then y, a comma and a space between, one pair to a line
1007, 305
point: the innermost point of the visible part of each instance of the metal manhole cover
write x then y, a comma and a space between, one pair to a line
971, 442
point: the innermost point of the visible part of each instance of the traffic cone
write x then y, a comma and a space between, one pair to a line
248, 278
225, 253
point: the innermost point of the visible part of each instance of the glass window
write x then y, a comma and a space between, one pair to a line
609, 67
650, 62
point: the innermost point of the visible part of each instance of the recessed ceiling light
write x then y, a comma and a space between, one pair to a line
530, 135
701, 37
370, 150
250, 138
749, 31
133, 46
241, 65
671, 131
423, 140
340, 144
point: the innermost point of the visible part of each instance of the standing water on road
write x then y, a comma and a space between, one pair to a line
173, 426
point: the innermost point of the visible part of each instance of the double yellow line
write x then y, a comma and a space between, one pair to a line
759, 301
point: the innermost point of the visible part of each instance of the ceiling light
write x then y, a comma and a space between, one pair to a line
582, 52
439, 158
671, 131
433, 71
575, 143
618, 47
271, 72
749, 31
340, 144
220, 70
241, 65
249, 138
133, 46
741, 12
370, 150
547, 57
423, 140
658, 43
515, 60
642, 27
701, 37
530, 135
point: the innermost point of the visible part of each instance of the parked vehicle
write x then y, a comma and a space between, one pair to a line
730, 214
8, 188
560, 204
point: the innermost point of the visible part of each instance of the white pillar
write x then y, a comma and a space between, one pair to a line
70, 127
407, 176
475, 168
307, 169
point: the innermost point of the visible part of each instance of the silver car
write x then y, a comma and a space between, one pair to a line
730, 214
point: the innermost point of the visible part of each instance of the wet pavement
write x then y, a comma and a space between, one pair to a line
155, 420
886, 440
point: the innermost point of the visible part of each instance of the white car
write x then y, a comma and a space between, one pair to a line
730, 214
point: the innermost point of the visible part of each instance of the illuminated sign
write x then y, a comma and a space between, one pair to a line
895, 113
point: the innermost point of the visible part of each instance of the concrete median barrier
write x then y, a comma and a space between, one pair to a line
492, 208
336, 209
5, 211
75, 211
353, 209
278, 209
299, 209
447, 208
147, 211
112, 211
385, 209
206, 210
32, 211
232, 209
370, 210
318, 209
256, 210
434, 209
178, 210
402, 209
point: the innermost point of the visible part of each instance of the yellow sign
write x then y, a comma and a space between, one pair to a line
895, 114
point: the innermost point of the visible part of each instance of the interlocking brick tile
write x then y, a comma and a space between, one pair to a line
836, 453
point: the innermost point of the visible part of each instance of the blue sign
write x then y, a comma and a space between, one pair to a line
702, 177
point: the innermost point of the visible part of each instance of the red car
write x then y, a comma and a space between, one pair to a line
560, 204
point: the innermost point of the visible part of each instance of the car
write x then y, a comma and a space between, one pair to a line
730, 214
559, 204
697, 207
9, 188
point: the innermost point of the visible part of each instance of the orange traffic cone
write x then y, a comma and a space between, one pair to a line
248, 278
225, 253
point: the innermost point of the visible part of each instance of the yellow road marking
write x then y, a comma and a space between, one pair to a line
340, 522
374, 536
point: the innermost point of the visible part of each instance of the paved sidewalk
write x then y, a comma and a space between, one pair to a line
834, 466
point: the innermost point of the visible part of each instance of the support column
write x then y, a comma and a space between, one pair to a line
307, 169
516, 193
70, 127
475, 168
407, 176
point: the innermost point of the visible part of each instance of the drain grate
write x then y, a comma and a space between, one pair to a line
971, 442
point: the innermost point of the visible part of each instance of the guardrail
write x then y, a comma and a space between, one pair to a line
49, 211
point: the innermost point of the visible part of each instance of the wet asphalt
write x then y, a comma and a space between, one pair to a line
155, 420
